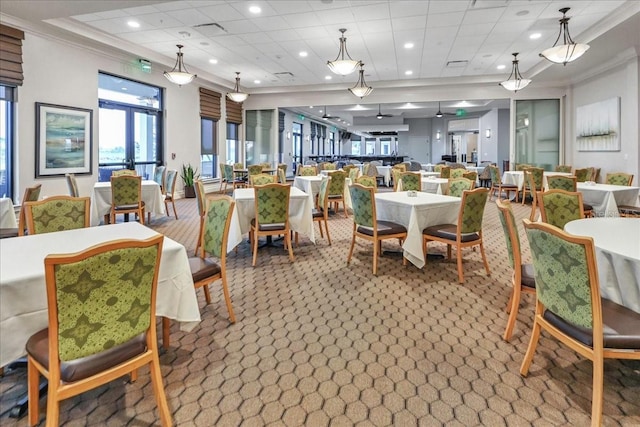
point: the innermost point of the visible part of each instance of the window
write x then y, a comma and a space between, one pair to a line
233, 144
370, 145
332, 143
385, 146
208, 155
6, 141
355, 147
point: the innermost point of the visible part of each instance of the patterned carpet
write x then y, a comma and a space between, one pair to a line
320, 343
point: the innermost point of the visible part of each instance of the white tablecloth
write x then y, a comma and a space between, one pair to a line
435, 185
7, 214
101, 200
428, 174
617, 242
517, 177
426, 167
605, 198
300, 207
23, 296
416, 213
311, 185
384, 172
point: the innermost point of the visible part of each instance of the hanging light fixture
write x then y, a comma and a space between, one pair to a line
179, 75
236, 95
515, 82
341, 65
361, 89
569, 50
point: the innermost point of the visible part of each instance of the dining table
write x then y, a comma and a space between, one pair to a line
435, 185
385, 173
617, 246
416, 211
23, 294
517, 178
605, 198
7, 214
101, 200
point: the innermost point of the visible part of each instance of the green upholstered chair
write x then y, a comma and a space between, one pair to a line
498, 186
272, 215
472, 175
229, 177
367, 181
562, 182
283, 166
438, 168
457, 173
121, 172
238, 166
57, 213
31, 194
522, 279
170, 189
619, 178
354, 173
466, 233
563, 168
411, 181
400, 166
559, 207
347, 168
520, 167
321, 213
126, 197
367, 226
336, 190
72, 185
265, 165
201, 205
159, 176
395, 175
262, 179
254, 170
329, 166
533, 184
308, 171
282, 176
457, 186
569, 306
583, 175
445, 172
102, 323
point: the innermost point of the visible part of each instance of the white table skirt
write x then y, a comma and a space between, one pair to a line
605, 198
517, 178
385, 173
311, 185
101, 200
300, 207
435, 185
426, 167
617, 242
23, 296
7, 214
416, 214
428, 174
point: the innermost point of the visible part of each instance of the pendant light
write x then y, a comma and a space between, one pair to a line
569, 50
341, 65
236, 95
515, 82
361, 89
179, 75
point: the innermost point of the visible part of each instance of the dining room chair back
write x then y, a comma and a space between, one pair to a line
368, 227
354, 173
102, 324
159, 176
563, 168
282, 175
562, 182
254, 170
282, 166
263, 178
336, 190
522, 278
72, 185
265, 165
457, 186
201, 205
395, 175
169, 193
619, 178
367, 181
466, 233
272, 215
57, 213
583, 174
438, 168
321, 213
520, 167
308, 171
498, 186
121, 172
472, 175
445, 172
347, 168
533, 182
238, 165
558, 207
569, 306
485, 176
126, 197
328, 166
457, 173
31, 194
595, 174
411, 181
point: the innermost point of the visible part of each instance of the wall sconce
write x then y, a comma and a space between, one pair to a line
288, 135
438, 135
487, 133
526, 121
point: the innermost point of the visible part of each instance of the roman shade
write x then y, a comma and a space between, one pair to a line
234, 112
209, 104
11, 56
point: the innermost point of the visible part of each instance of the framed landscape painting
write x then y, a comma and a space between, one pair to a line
63, 140
598, 126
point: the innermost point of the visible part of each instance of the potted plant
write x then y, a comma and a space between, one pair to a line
189, 175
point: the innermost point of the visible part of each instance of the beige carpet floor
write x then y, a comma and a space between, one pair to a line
321, 343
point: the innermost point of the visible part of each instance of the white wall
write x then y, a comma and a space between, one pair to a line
488, 147
416, 143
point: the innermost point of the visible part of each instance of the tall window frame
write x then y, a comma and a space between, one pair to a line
233, 142
208, 152
7, 140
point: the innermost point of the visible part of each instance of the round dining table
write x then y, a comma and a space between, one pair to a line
617, 244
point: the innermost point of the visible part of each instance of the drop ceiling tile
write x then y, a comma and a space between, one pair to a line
147, 36
159, 20
516, 11
378, 26
271, 23
190, 17
243, 8
222, 12
282, 35
252, 38
336, 16
286, 7
444, 19
174, 6
483, 16
140, 10
448, 6
313, 33
302, 20
239, 26
408, 22
371, 12
230, 40
475, 30
399, 9
113, 26
89, 17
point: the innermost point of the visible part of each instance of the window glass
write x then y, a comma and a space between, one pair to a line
208, 157
370, 146
6, 141
385, 146
232, 143
355, 147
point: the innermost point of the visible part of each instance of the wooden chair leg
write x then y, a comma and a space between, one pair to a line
326, 226
33, 393
353, 243
289, 246
207, 293
166, 332
598, 384
533, 343
53, 407
459, 262
484, 259
175, 212
255, 249
158, 391
375, 257
512, 308
227, 297
133, 376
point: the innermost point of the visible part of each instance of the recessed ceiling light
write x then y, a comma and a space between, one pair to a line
408, 73
311, 106
501, 67
133, 24
522, 13
303, 54
327, 77
255, 9
408, 45
257, 82
535, 36
213, 61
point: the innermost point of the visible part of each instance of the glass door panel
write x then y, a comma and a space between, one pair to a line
538, 133
145, 142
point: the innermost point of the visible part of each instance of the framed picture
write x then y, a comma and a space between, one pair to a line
63, 140
598, 126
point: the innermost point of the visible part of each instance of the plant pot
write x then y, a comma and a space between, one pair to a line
189, 192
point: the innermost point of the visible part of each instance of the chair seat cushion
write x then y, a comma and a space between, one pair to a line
449, 232
528, 278
621, 327
8, 232
317, 213
127, 207
384, 228
203, 268
78, 369
269, 227
507, 185
335, 196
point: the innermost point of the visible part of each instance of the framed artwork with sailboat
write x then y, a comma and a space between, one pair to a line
64, 142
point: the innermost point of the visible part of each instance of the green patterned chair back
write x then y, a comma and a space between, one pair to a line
457, 173
367, 181
72, 185
564, 284
522, 166
348, 167
158, 176
494, 172
457, 186
329, 166
411, 181
171, 182
508, 221
472, 210
563, 168
308, 171
438, 168
283, 166
102, 297
228, 172
122, 172
262, 179
265, 165
400, 166
559, 207
354, 172
254, 169
336, 186
323, 194
200, 197
217, 220
534, 178
57, 213
272, 203
126, 190
445, 172
238, 165
282, 175
619, 178
472, 175
583, 175
395, 174
364, 207
561, 182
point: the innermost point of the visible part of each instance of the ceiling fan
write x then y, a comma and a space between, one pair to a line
327, 116
440, 113
380, 115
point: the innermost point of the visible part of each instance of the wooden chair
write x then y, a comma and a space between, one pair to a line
72, 185
336, 190
159, 176
102, 323
122, 172
31, 194
522, 279
466, 233
367, 181
395, 175
170, 189
595, 174
569, 306
563, 168
562, 182
583, 175
126, 197
308, 171
457, 173
520, 167
367, 226
558, 207
57, 213
354, 173
445, 172
472, 175
533, 182
254, 170
321, 213
619, 178
457, 186
272, 215
529, 181
282, 176
262, 179
497, 185
411, 181
201, 204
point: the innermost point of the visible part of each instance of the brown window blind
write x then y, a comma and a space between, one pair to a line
234, 112
11, 56
209, 104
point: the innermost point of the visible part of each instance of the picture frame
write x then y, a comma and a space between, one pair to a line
598, 126
64, 140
